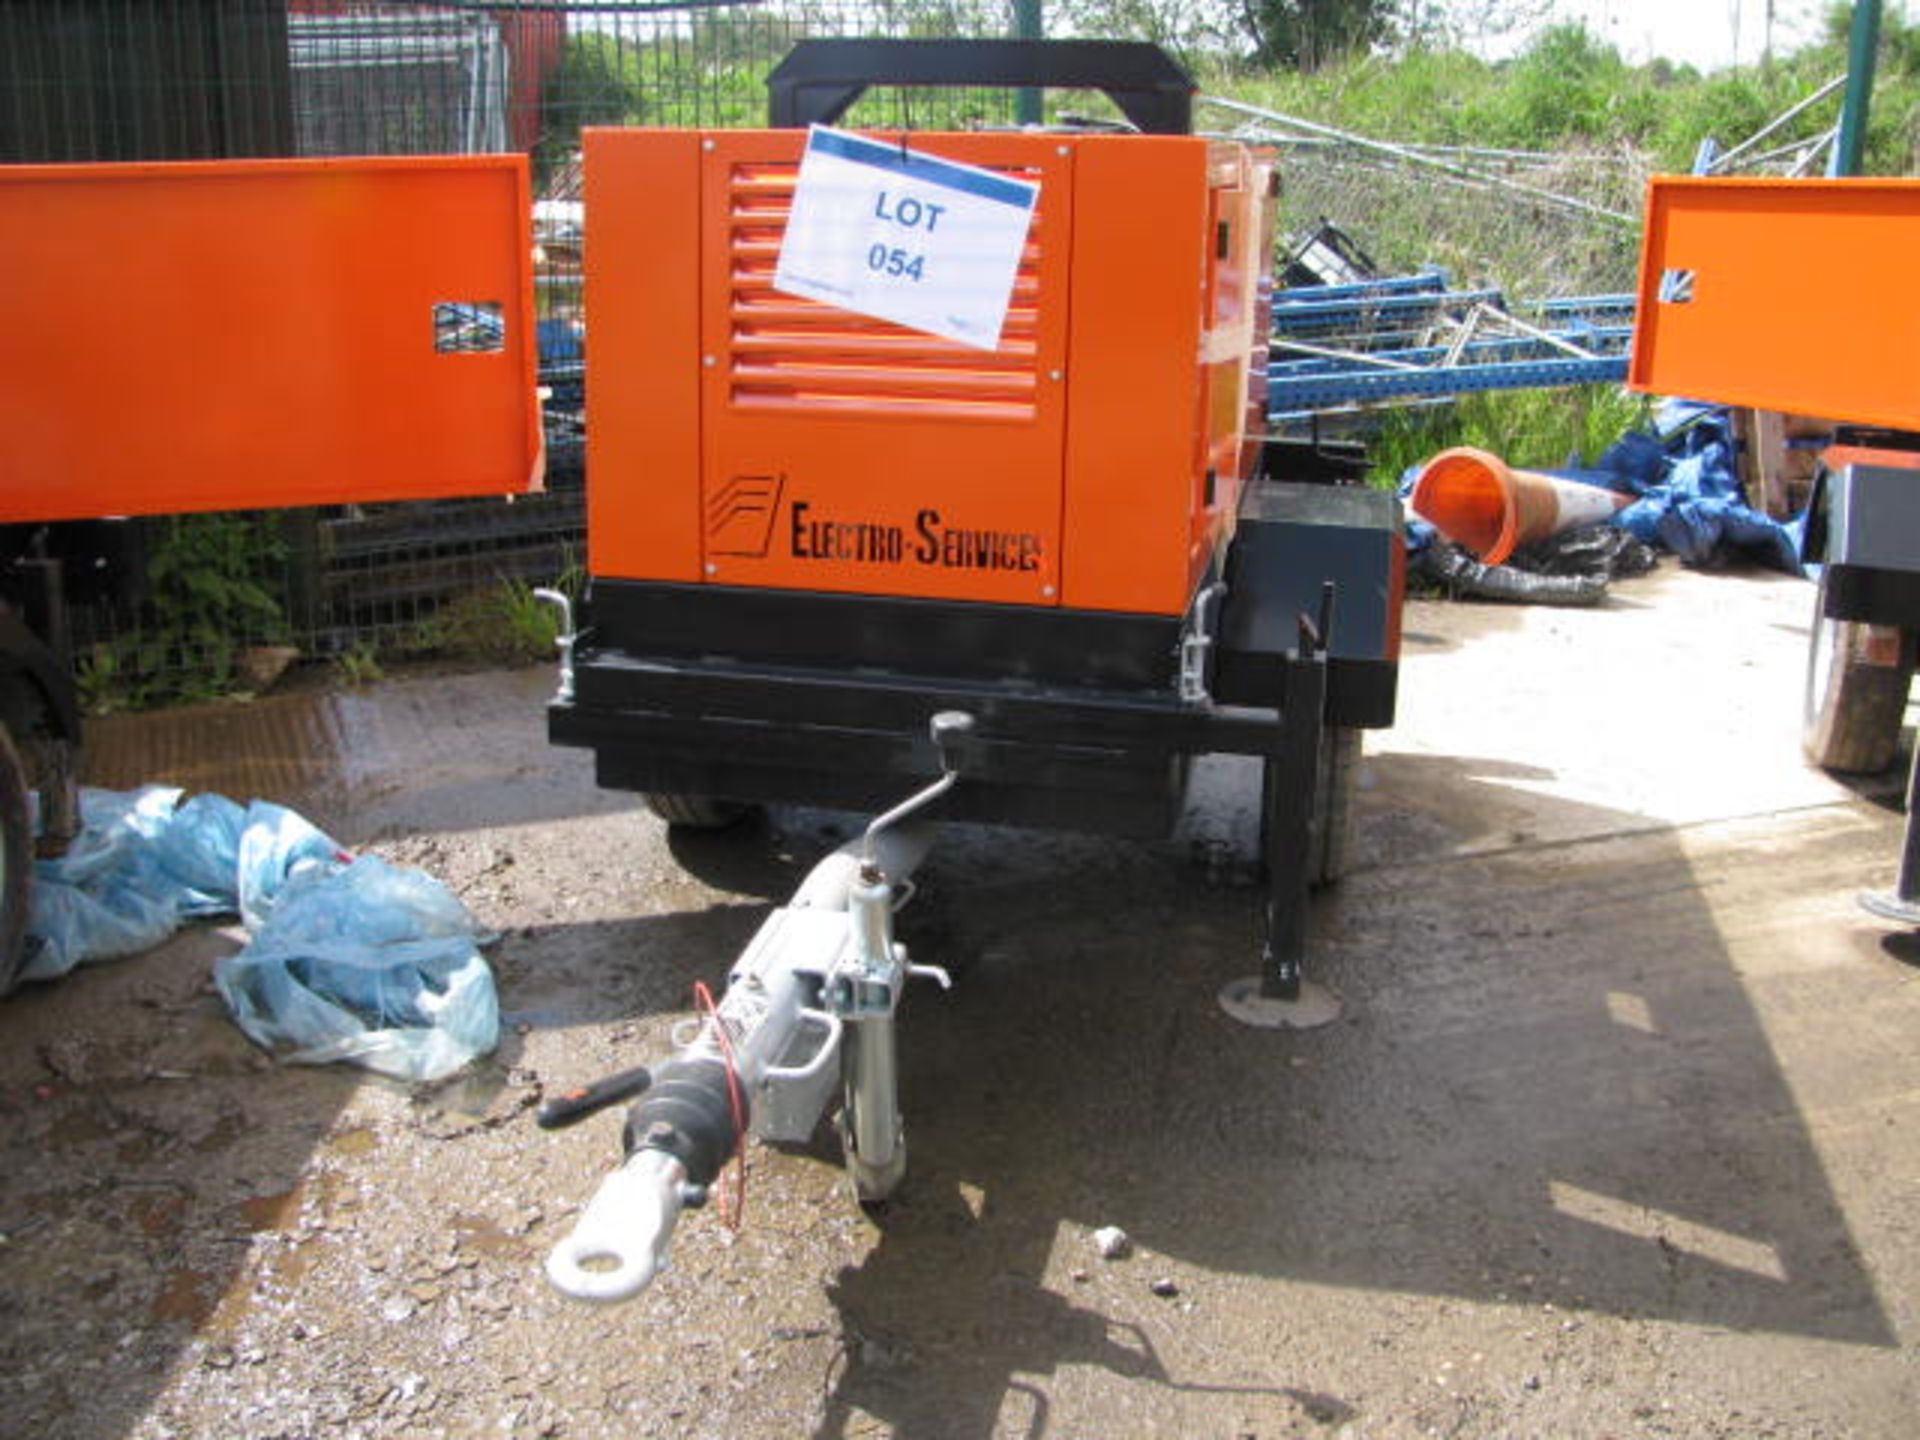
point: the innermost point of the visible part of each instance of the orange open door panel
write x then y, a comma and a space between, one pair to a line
1794, 295
243, 334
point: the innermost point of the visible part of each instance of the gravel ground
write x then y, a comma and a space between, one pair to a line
1617, 1134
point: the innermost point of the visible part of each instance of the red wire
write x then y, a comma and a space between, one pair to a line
734, 1214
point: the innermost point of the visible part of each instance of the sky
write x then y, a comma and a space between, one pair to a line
1707, 34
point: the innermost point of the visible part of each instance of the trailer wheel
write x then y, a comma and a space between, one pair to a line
16, 859
696, 812
1856, 693
1332, 804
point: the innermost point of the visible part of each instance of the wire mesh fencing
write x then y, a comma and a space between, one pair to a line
175, 79
176, 607
1409, 217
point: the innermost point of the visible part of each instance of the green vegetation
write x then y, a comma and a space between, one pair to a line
358, 665
1569, 91
504, 625
1608, 126
1538, 428
206, 599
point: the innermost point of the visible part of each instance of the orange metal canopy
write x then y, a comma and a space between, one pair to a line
1794, 295
738, 436
253, 333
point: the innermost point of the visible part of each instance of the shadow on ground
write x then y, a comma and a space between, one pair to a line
1551, 1087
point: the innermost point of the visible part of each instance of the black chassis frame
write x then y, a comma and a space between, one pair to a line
1083, 720
1080, 722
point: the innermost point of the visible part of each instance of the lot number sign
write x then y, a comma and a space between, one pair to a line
903, 236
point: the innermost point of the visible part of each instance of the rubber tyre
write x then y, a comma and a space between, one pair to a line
16, 861
1333, 805
696, 812
1853, 707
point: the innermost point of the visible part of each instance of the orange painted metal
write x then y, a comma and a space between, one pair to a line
1163, 317
742, 436
1836, 456
1793, 295
849, 454
258, 333
643, 315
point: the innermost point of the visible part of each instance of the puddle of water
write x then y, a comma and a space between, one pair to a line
476, 1232
77, 1128
331, 753
272, 1212
359, 1141
186, 1295
473, 1093
158, 1214
551, 1017
224, 1132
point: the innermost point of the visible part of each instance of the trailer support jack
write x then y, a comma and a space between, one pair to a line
1280, 996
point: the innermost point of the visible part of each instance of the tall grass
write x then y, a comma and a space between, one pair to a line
1540, 429
1571, 92
1607, 124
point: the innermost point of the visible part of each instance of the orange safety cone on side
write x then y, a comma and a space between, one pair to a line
1478, 501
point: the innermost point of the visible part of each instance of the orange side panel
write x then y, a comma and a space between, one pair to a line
1794, 295
254, 333
643, 339
1239, 262
1135, 397
848, 454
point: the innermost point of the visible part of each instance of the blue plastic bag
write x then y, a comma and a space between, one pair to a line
1689, 495
199, 851
368, 963
349, 959
414, 1010
277, 846
107, 896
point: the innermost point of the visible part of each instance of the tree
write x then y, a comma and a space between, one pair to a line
1459, 24
597, 82
1306, 34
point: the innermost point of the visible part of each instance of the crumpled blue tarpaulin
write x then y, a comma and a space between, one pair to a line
1690, 497
347, 959
1688, 494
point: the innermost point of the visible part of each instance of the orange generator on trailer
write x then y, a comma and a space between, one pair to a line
1093, 461
809, 529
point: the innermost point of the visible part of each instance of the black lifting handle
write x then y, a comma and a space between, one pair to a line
820, 79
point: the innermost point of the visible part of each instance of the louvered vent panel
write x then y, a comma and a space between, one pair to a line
787, 353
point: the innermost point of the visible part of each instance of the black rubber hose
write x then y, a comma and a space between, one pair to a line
1464, 575
688, 1113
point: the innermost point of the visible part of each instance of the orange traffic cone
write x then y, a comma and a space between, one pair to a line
1473, 498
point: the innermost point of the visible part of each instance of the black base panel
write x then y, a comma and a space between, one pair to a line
1094, 649
1065, 759
619, 684
1874, 597
1292, 540
824, 699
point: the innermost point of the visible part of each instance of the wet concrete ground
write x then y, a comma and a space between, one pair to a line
1619, 1134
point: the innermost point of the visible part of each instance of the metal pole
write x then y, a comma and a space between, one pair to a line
1864, 40
1903, 905
1727, 157
1027, 26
